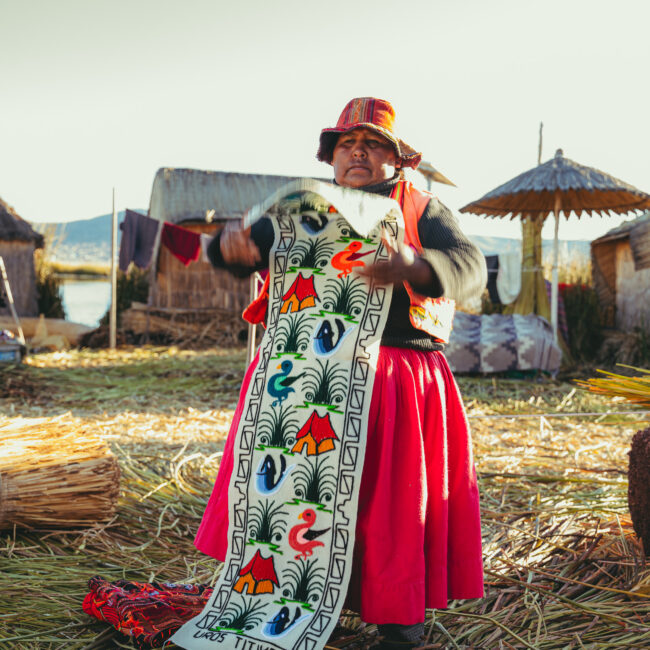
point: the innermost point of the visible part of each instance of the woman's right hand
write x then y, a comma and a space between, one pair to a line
237, 247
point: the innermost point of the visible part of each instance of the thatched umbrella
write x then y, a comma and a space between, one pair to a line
558, 185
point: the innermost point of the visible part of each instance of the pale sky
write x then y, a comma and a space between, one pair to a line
97, 94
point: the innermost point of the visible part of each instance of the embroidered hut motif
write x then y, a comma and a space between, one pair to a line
258, 576
301, 295
316, 436
301, 440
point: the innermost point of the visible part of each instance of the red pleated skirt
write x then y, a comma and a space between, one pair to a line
418, 536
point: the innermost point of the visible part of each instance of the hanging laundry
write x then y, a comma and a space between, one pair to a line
205, 242
561, 311
139, 233
183, 244
492, 264
509, 277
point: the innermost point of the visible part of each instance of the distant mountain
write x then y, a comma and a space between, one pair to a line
84, 240
89, 240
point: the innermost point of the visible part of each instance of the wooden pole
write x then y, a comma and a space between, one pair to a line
529, 293
250, 351
113, 314
554, 287
10, 300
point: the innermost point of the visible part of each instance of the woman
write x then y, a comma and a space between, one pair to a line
418, 529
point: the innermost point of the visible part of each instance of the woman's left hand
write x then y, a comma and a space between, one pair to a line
403, 265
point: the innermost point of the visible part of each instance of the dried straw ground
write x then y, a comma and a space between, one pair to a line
563, 568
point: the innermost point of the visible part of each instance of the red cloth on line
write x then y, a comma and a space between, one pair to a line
418, 536
184, 244
147, 612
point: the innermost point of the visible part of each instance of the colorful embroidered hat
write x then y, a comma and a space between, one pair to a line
371, 113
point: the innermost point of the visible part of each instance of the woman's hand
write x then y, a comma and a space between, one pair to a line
402, 266
237, 247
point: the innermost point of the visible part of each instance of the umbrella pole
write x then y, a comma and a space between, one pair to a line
554, 278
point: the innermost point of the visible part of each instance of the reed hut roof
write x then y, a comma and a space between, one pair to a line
15, 228
195, 195
638, 233
604, 264
583, 189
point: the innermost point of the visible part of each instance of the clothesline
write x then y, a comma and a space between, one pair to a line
141, 235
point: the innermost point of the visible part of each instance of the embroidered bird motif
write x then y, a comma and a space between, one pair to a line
302, 539
348, 258
266, 481
313, 222
326, 340
279, 385
281, 622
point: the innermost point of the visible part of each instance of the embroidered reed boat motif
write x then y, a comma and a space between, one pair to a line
301, 440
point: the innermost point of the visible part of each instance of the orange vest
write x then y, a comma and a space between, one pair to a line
431, 315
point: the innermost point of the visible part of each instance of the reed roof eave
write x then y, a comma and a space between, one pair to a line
14, 228
582, 190
623, 231
180, 195
541, 204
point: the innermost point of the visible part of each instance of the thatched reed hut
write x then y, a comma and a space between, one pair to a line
202, 201
18, 241
621, 272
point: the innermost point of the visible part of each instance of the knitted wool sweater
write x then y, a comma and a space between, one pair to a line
458, 267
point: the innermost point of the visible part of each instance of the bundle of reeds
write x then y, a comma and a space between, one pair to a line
633, 389
52, 475
637, 391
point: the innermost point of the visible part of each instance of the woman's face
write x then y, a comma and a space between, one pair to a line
362, 157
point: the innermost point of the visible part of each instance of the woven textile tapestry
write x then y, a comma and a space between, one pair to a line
301, 440
500, 342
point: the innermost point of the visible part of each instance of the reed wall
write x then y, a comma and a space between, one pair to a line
632, 290
198, 286
18, 257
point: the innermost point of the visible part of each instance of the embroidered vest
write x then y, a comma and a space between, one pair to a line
431, 315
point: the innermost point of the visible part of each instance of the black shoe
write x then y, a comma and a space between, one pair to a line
398, 637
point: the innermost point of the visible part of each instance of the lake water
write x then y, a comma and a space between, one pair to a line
85, 301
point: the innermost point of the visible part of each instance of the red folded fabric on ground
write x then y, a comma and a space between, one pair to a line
147, 612
184, 244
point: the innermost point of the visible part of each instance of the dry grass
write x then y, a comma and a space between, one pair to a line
563, 568
575, 270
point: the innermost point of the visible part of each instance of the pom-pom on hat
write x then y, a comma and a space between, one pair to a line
370, 113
